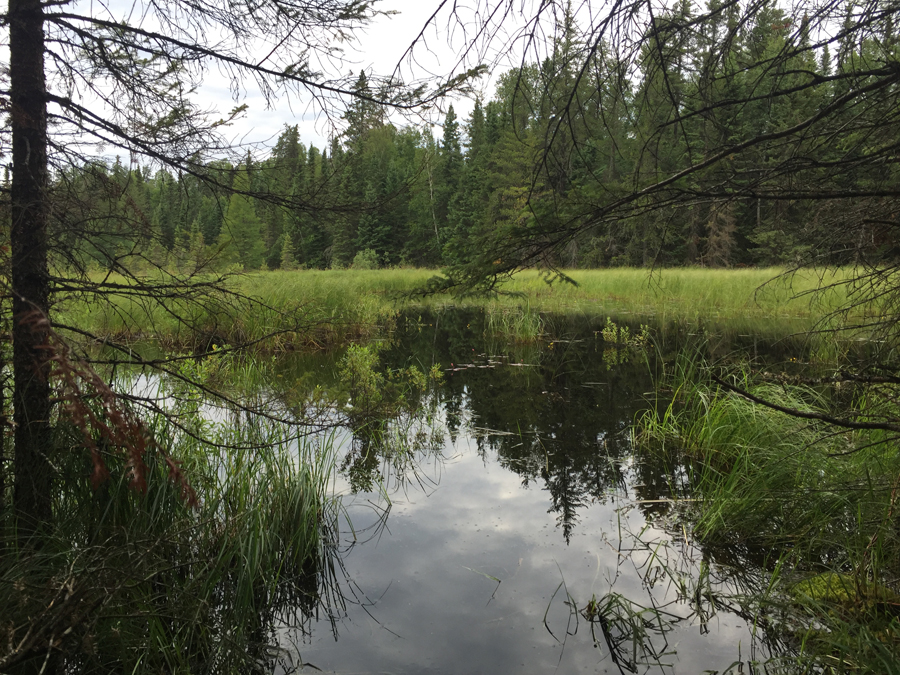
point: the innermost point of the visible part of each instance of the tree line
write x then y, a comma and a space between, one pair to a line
590, 125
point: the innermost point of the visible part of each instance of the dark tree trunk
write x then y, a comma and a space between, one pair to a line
30, 283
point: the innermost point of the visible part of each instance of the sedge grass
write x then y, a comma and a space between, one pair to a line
141, 582
819, 499
311, 308
514, 324
303, 309
682, 294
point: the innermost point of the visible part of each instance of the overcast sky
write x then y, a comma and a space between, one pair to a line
380, 47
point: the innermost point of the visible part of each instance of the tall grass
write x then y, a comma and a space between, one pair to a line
822, 501
142, 582
521, 323
303, 309
684, 294
311, 309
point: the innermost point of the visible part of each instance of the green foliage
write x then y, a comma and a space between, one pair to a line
593, 157
339, 306
621, 345
393, 415
812, 496
240, 239
288, 254
616, 334
131, 581
367, 259
373, 396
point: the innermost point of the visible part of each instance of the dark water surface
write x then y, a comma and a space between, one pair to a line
531, 539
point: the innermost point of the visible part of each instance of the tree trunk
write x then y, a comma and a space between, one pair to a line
30, 282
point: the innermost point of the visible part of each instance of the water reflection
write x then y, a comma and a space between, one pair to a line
528, 538
557, 413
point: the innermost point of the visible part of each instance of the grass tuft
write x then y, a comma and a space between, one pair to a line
820, 500
129, 581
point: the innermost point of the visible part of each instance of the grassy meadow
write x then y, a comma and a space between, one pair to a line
318, 309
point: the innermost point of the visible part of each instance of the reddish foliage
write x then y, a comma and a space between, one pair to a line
106, 424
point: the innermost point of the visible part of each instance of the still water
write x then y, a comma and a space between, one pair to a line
527, 536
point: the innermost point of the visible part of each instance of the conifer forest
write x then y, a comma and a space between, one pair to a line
719, 138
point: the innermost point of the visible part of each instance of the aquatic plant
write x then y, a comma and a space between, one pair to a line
370, 394
392, 413
521, 323
620, 334
143, 581
818, 499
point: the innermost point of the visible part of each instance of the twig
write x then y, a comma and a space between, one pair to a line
794, 412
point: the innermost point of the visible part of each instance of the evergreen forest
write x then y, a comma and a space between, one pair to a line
695, 148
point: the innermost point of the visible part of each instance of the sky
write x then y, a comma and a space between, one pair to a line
379, 49
384, 43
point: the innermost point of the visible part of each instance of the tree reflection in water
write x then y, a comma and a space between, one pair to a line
555, 414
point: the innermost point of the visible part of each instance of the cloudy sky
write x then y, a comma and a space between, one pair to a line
379, 49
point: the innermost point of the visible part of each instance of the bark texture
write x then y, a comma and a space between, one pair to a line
30, 281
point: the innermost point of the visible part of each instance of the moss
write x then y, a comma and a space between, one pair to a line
844, 589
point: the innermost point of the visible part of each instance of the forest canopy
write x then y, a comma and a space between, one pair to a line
718, 135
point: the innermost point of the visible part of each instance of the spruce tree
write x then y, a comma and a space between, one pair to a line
288, 255
241, 238
448, 174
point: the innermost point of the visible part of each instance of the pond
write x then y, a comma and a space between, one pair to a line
529, 537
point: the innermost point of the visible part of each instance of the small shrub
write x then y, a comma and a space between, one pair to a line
617, 334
